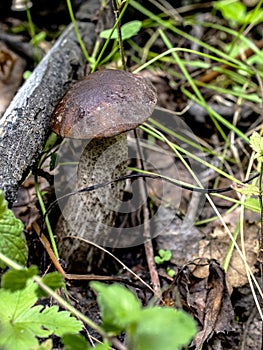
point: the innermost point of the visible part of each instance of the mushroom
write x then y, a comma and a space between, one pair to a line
100, 108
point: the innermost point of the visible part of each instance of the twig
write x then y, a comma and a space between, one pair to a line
147, 234
89, 277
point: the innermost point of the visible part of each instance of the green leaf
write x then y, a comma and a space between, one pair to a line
161, 328
165, 254
53, 280
45, 345
256, 143
231, 10
26, 74
254, 16
102, 347
74, 342
53, 161
248, 189
17, 279
128, 30
253, 204
119, 306
21, 322
170, 272
57, 322
52, 140
158, 260
38, 38
12, 305
12, 239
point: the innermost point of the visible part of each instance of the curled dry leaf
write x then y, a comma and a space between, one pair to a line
208, 299
11, 73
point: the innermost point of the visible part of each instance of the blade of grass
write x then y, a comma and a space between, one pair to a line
94, 67
152, 131
74, 23
217, 116
43, 209
169, 25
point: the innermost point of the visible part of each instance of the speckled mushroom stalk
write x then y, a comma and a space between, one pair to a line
101, 108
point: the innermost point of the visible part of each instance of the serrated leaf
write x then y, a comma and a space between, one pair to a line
17, 279
119, 306
128, 30
12, 239
161, 328
14, 304
53, 280
14, 337
21, 322
59, 322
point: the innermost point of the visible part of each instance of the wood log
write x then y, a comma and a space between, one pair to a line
25, 125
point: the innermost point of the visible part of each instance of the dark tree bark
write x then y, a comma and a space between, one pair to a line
25, 125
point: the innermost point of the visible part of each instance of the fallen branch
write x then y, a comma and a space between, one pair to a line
24, 126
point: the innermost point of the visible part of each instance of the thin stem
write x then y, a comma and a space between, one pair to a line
73, 20
44, 212
68, 307
147, 234
117, 15
109, 38
30, 22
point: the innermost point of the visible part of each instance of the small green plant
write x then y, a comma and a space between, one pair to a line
128, 30
252, 203
21, 322
236, 12
256, 143
12, 239
163, 257
151, 328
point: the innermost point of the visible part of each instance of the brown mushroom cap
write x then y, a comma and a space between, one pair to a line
104, 104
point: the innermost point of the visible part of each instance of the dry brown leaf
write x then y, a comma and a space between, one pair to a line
11, 74
217, 243
209, 300
218, 312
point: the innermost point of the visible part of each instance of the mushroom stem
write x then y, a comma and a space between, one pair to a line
91, 215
